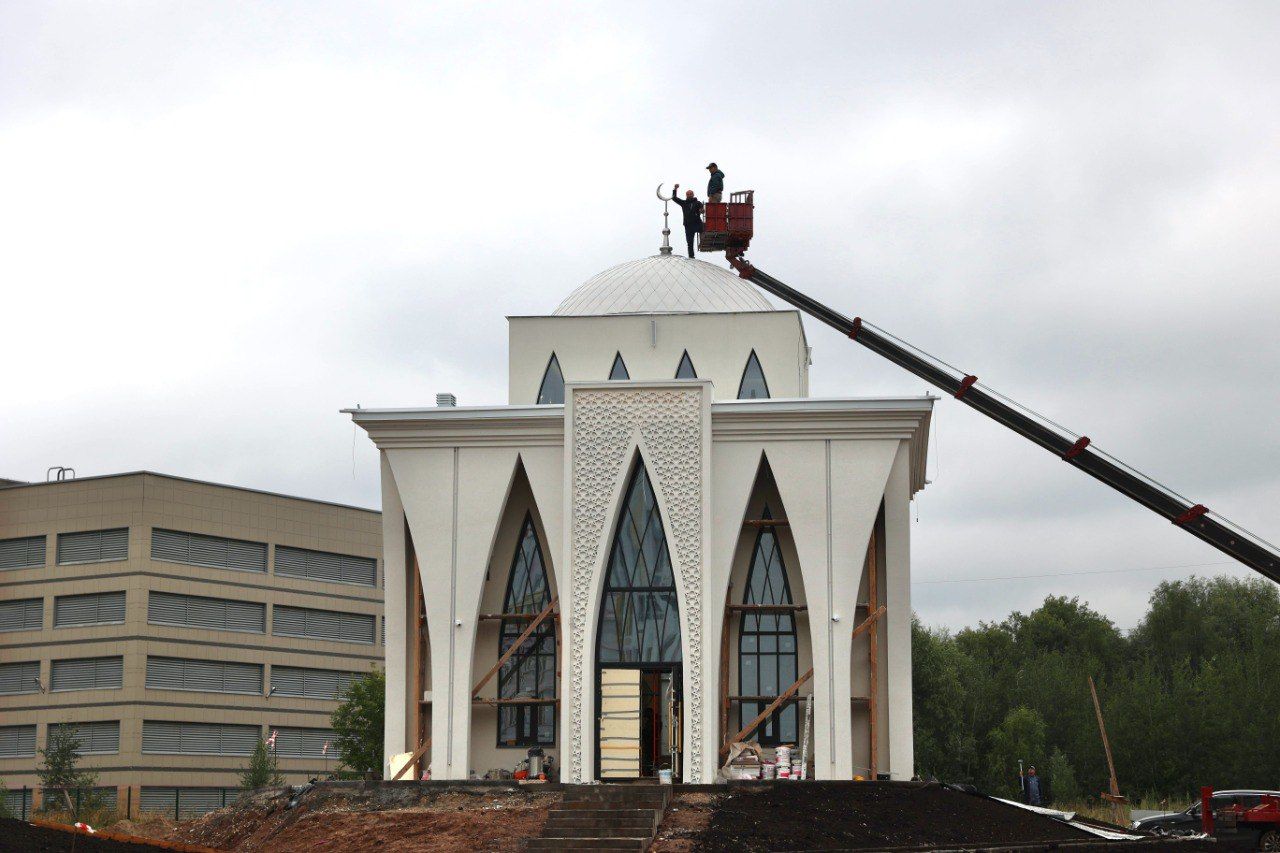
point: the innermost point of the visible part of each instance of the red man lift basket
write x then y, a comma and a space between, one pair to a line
729, 225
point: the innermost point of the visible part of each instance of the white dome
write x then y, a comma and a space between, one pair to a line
664, 284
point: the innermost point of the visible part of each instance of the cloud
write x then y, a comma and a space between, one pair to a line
224, 222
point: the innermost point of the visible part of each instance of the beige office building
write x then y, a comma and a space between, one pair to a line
175, 622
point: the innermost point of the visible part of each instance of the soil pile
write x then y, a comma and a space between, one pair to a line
18, 835
373, 817
857, 816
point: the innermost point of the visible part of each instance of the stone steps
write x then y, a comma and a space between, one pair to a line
604, 817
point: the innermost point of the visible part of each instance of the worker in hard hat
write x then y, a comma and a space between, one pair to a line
715, 186
692, 214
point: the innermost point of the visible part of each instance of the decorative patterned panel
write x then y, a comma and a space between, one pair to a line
605, 426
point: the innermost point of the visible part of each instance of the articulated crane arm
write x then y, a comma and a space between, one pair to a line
1075, 449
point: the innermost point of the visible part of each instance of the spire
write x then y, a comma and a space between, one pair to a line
665, 248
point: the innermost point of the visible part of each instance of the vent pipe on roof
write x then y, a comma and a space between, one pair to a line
446, 400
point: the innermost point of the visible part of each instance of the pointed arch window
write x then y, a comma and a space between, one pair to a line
685, 370
639, 616
552, 388
531, 671
619, 369
753, 386
767, 655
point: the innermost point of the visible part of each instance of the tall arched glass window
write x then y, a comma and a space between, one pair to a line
531, 671
639, 617
685, 370
552, 388
753, 386
767, 657
619, 369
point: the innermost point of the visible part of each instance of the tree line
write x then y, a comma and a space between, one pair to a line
1189, 697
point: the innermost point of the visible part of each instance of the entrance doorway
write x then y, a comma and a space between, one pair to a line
638, 670
640, 722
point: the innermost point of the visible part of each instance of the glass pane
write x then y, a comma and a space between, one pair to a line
639, 616
552, 390
787, 643
527, 592
749, 675
753, 386
685, 370
619, 369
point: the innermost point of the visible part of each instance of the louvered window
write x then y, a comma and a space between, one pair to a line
206, 675
97, 738
20, 677
195, 611
311, 683
87, 673
19, 802
184, 803
18, 741
323, 566
95, 608
323, 624
101, 797
292, 742
163, 737
196, 549
24, 614
22, 553
93, 546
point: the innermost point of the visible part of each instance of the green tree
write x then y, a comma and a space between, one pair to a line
1019, 737
263, 770
944, 746
357, 724
59, 771
1062, 778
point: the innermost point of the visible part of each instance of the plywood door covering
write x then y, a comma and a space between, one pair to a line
619, 723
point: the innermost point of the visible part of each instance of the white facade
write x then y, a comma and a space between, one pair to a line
470, 492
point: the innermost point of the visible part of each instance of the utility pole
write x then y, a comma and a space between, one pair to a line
1115, 798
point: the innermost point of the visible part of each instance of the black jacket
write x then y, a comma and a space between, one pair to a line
692, 212
716, 184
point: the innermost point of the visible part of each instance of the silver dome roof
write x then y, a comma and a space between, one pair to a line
664, 284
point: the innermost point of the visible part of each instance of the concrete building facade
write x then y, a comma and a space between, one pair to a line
175, 622
660, 538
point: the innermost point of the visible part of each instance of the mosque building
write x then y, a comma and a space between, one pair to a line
660, 545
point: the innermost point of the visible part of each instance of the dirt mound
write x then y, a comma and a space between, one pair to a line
854, 816
18, 835
368, 817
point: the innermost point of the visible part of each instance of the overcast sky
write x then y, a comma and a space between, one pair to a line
220, 223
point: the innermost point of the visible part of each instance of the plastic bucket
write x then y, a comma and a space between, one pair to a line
664, 777
768, 770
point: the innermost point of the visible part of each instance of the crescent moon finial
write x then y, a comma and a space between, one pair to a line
660, 195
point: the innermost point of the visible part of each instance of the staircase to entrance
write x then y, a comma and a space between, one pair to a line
604, 817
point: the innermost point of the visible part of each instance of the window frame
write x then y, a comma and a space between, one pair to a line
764, 380
542, 386
526, 715
770, 732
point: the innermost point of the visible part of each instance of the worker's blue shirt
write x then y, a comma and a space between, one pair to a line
716, 184
1033, 790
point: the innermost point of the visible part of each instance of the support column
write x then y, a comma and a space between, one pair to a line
396, 730
897, 600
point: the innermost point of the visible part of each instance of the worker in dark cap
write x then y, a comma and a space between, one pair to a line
715, 186
692, 214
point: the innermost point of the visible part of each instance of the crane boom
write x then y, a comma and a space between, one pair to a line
1074, 449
